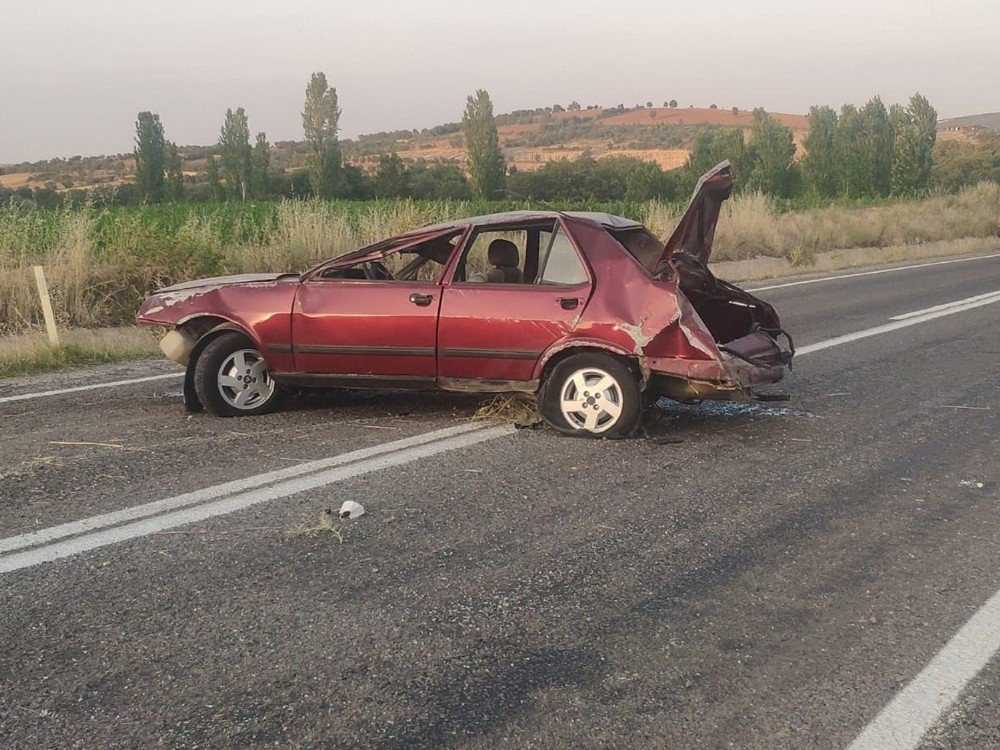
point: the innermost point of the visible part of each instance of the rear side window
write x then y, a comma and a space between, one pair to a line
559, 263
641, 244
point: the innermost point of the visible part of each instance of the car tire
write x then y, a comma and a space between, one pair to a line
231, 378
592, 395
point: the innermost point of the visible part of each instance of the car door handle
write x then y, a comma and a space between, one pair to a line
569, 303
421, 300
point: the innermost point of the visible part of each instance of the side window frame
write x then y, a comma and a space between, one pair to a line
465, 246
377, 253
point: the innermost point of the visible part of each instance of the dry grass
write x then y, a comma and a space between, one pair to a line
31, 352
514, 409
324, 525
763, 267
750, 226
100, 265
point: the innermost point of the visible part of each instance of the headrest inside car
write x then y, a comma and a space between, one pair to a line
503, 253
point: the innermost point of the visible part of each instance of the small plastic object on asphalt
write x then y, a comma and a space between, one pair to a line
351, 509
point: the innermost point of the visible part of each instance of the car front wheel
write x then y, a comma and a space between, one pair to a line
591, 395
231, 378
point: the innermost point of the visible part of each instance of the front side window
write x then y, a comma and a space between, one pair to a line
423, 261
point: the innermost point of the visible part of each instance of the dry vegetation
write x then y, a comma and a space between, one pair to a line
98, 267
30, 352
751, 226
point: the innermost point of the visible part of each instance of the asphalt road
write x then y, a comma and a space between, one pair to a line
748, 576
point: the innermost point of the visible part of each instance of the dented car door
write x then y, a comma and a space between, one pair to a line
498, 331
362, 327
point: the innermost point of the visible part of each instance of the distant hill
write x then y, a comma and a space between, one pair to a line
987, 121
529, 139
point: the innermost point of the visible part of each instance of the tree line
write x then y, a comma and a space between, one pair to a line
857, 153
871, 152
237, 170
866, 152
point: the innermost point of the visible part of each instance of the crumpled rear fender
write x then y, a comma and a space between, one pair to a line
651, 321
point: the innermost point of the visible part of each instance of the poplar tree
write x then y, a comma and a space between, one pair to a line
905, 177
175, 174
819, 165
261, 165
150, 156
212, 175
486, 162
924, 118
851, 173
235, 153
875, 147
914, 134
773, 149
320, 125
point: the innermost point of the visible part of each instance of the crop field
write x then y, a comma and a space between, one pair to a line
101, 261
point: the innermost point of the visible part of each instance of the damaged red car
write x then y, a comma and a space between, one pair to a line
589, 312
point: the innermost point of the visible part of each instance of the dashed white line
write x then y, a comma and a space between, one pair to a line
945, 306
920, 316
902, 724
91, 387
871, 273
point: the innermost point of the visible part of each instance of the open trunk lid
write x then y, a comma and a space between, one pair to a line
695, 231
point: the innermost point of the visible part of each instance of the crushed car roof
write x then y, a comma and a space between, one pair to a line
598, 217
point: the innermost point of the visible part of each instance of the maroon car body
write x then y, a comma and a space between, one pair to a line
581, 282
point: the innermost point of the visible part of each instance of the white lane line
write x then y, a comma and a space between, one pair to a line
905, 720
51, 533
871, 273
91, 387
945, 306
184, 516
919, 317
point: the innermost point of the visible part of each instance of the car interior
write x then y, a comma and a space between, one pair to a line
423, 261
539, 254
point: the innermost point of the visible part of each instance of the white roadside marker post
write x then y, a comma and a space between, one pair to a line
43, 295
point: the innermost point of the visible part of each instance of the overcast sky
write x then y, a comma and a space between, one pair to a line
74, 73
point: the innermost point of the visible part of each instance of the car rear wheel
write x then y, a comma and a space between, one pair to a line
231, 378
591, 395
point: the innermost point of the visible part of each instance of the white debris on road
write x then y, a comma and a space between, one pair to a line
351, 509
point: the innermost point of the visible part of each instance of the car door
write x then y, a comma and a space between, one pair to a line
381, 329
498, 331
